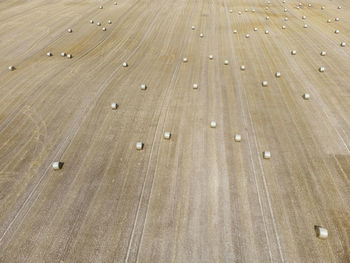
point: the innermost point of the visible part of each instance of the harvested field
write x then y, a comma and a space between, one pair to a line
244, 148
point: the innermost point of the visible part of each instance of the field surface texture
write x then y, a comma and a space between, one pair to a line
201, 195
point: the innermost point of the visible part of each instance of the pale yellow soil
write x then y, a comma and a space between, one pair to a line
200, 196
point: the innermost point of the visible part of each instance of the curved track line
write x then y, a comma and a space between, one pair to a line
65, 144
